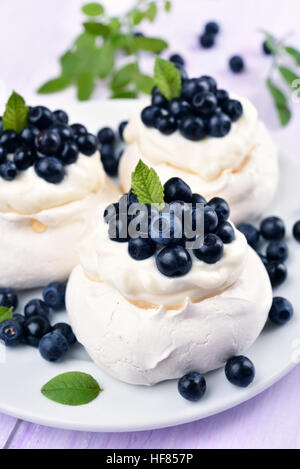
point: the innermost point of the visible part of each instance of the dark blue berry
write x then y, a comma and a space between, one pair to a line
79, 129
118, 230
50, 169
281, 311
69, 153
198, 199
226, 232
36, 308
110, 212
233, 109
41, 117
87, 144
210, 219
192, 128
266, 49
121, 129
240, 371
159, 100
296, 231
110, 159
236, 64
54, 295
205, 103
277, 272
19, 318
65, 132
48, 142
138, 34
53, 346
35, 327
251, 234
176, 189
212, 249
221, 207
277, 251
24, 158
141, 248
207, 81
178, 59
192, 386
11, 332
28, 136
66, 331
132, 198
272, 229
174, 261
222, 97
3, 155
149, 115
61, 116
165, 229
10, 140
212, 28
167, 125
8, 171
179, 108
190, 88
8, 298
106, 135
219, 125
207, 40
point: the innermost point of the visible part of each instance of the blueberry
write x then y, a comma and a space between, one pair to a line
117, 230
50, 169
226, 232
166, 228
11, 332
41, 117
192, 128
28, 136
66, 331
8, 171
110, 159
24, 158
219, 125
8, 298
53, 346
132, 198
141, 248
266, 49
281, 311
69, 153
212, 249
158, 100
207, 81
35, 327
183, 73
121, 129
79, 129
10, 140
221, 207
236, 64
54, 295
233, 109
251, 234
61, 116
222, 97
179, 108
212, 28
192, 386
277, 272
272, 229
36, 308
207, 40
190, 88
48, 142
19, 318
150, 114
174, 261
178, 59
3, 155
240, 371
138, 34
277, 251
167, 125
198, 199
296, 231
106, 135
65, 132
205, 103
210, 219
87, 144
110, 212
177, 189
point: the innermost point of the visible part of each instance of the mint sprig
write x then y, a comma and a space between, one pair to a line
146, 185
5, 313
15, 116
167, 78
72, 388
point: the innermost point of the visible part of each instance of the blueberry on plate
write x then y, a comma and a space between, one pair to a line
167, 125
110, 159
28, 136
3, 155
79, 129
87, 144
149, 115
236, 64
226, 232
50, 169
178, 59
8, 298
277, 251
192, 128
121, 129
272, 229
219, 125
210, 219
106, 135
296, 231
165, 229
141, 248
41, 117
69, 153
61, 117
207, 40
53, 346
24, 158
233, 108
192, 386
174, 261
277, 272
10, 140
35, 327
8, 171
212, 249
176, 189
54, 295
281, 311
11, 332
212, 27
67, 331
240, 371
221, 207
251, 234
36, 307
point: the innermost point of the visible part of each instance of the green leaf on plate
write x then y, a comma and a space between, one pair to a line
150, 44
93, 9
72, 388
5, 313
168, 6
145, 83
106, 59
15, 116
98, 29
85, 85
124, 94
136, 16
146, 185
280, 101
57, 84
294, 53
151, 12
288, 75
124, 76
167, 78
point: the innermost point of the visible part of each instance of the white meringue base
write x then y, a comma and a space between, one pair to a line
29, 259
248, 190
146, 346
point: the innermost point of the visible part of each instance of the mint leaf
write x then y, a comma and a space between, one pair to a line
98, 29
136, 16
106, 59
145, 83
168, 6
280, 101
288, 75
124, 94
294, 53
114, 25
151, 12
93, 9
5, 313
73, 388
85, 85
167, 78
57, 84
15, 116
124, 76
146, 185
150, 44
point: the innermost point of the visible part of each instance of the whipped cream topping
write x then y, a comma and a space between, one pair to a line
206, 158
29, 193
140, 281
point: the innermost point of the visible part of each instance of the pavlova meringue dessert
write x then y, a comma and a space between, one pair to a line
212, 139
52, 185
151, 302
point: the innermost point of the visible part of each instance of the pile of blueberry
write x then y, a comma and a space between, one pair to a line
202, 110
173, 259
34, 327
109, 146
208, 38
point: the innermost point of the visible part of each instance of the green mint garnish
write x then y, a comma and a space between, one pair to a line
73, 388
280, 102
93, 9
15, 116
146, 185
167, 78
5, 313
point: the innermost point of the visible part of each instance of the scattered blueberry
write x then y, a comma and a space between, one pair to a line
8, 171
106, 135
36, 308
226, 232
87, 144
281, 311
24, 159
50, 169
277, 272
66, 331
178, 59
219, 125
174, 261
176, 189
121, 129
212, 28
207, 40
41, 117
236, 64
192, 386
53, 346
277, 251
110, 159
272, 229
221, 207
35, 327
141, 248
192, 128
8, 298
11, 332
54, 295
251, 234
212, 249
240, 371
296, 231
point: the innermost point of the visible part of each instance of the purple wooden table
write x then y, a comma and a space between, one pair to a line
271, 420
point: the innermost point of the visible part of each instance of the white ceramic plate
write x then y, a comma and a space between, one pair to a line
123, 407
